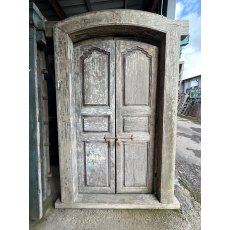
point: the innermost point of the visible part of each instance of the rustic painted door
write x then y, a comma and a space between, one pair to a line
136, 72
115, 108
95, 110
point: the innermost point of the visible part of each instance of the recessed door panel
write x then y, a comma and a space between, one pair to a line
136, 76
95, 67
135, 124
135, 156
96, 160
95, 124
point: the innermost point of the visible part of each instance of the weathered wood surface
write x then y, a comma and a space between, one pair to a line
76, 25
136, 72
118, 201
35, 17
95, 124
65, 92
40, 66
135, 171
35, 181
163, 32
49, 25
39, 159
169, 116
44, 124
135, 124
45, 134
40, 36
116, 17
109, 31
136, 63
39, 137
95, 102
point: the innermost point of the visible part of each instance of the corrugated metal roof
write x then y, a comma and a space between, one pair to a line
68, 8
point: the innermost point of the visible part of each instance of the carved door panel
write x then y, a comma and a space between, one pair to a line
95, 113
136, 72
121, 107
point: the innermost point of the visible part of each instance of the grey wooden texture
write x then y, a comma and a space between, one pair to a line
39, 76
95, 79
144, 26
136, 78
40, 67
97, 165
46, 135
49, 25
40, 37
36, 18
95, 103
95, 124
78, 25
35, 182
38, 160
169, 117
44, 125
65, 91
135, 165
118, 201
136, 72
135, 124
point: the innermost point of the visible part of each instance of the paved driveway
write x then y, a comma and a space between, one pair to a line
188, 141
188, 169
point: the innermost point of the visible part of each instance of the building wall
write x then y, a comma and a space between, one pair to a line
191, 82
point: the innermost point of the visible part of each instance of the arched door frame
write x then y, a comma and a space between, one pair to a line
144, 26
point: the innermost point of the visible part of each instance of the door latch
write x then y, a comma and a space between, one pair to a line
118, 139
110, 138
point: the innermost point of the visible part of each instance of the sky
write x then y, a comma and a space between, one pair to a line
191, 54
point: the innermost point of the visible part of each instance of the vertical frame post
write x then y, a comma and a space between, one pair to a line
35, 189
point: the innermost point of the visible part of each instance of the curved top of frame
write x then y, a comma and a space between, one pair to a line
120, 17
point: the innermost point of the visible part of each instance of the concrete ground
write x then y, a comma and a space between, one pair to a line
187, 191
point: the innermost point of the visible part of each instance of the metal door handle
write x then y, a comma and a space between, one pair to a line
123, 138
126, 138
118, 139
110, 138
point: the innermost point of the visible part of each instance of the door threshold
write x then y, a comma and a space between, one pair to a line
117, 201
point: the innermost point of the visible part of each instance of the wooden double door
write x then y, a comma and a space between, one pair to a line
115, 115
